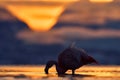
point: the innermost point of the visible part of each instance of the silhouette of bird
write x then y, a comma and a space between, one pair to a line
71, 58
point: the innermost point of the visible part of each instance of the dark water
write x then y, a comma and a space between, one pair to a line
106, 50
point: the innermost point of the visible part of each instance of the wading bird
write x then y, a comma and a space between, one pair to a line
71, 58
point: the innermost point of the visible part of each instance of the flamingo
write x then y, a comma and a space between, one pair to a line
71, 58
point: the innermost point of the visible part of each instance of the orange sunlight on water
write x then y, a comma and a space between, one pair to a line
101, 0
38, 71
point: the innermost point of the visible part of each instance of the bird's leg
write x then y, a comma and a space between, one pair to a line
73, 71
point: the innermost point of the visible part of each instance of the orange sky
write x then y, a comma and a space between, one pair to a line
53, 20
47, 23
40, 18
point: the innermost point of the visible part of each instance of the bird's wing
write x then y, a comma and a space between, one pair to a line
67, 59
80, 55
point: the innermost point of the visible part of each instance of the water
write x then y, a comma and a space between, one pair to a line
36, 72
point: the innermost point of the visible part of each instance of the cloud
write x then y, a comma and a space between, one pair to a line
63, 34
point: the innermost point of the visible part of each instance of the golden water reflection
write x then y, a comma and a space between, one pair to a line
38, 72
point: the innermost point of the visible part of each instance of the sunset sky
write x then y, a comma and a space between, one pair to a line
36, 31
63, 34
41, 17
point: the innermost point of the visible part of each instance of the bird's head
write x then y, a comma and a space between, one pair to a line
92, 60
58, 68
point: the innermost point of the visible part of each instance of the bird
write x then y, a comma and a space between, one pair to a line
71, 58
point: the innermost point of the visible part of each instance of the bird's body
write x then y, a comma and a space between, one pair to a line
70, 59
